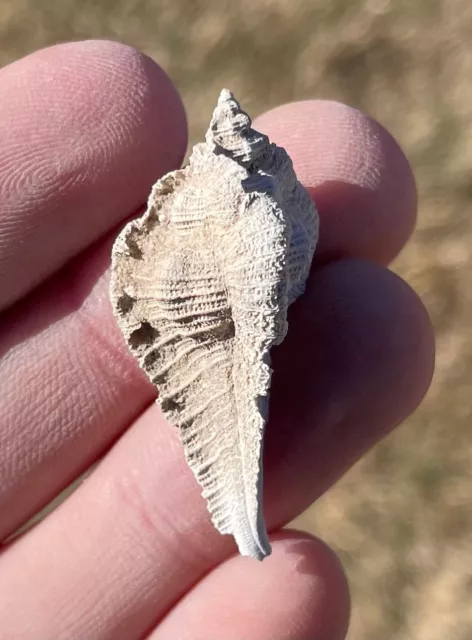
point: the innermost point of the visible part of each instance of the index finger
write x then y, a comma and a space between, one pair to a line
86, 130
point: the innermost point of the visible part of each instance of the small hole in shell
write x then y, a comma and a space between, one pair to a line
134, 249
145, 335
125, 303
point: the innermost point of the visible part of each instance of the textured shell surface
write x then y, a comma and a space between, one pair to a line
200, 288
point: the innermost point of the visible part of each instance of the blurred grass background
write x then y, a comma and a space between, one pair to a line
400, 520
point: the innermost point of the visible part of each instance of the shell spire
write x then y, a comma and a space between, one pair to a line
230, 130
200, 288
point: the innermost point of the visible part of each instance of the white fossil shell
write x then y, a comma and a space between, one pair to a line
200, 289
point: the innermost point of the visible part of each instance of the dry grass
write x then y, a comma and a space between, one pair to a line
400, 519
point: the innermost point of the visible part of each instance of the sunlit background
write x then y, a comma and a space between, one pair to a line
401, 520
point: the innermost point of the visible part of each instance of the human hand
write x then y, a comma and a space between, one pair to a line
86, 129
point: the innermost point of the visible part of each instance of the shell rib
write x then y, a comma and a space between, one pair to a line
200, 289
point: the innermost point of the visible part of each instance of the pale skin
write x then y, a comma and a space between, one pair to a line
86, 128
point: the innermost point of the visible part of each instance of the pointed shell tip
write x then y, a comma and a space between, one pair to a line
225, 95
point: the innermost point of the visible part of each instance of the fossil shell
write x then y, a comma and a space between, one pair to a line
200, 289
